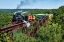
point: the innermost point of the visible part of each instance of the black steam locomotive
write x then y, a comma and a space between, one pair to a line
17, 18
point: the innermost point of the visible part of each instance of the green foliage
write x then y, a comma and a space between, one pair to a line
5, 17
4, 37
50, 33
59, 18
21, 37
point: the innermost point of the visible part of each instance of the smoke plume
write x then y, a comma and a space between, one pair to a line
25, 2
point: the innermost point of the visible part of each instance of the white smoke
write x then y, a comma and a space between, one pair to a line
27, 23
17, 12
20, 11
24, 12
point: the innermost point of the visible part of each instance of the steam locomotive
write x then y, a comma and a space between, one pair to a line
17, 18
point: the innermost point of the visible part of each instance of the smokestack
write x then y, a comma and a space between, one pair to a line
25, 2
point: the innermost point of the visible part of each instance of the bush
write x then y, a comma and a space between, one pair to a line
21, 37
50, 33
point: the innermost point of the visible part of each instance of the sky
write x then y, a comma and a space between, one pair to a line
31, 4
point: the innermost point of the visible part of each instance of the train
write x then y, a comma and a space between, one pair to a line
19, 18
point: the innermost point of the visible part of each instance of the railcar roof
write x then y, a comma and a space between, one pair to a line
39, 14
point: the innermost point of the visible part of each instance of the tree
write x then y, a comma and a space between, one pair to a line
50, 33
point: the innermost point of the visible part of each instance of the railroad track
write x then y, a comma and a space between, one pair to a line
12, 27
